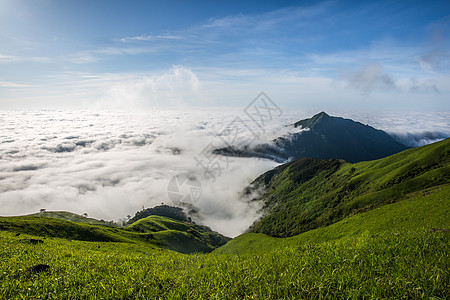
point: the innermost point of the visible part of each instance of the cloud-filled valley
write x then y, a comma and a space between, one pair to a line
111, 164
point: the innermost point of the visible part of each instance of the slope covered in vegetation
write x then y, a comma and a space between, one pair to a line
68, 216
388, 252
308, 193
154, 230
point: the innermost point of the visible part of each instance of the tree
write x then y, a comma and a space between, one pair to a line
85, 215
42, 210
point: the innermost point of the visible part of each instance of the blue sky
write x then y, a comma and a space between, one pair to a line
304, 54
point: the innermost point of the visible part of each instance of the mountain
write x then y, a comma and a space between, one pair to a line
310, 193
324, 137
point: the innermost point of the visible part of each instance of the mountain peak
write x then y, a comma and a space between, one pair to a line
311, 122
325, 137
321, 114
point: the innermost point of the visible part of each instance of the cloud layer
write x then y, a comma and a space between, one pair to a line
110, 164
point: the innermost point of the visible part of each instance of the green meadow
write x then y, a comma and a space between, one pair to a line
390, 240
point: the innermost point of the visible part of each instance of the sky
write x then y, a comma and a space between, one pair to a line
348, 55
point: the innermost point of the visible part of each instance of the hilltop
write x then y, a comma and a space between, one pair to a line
69, 216
324, 137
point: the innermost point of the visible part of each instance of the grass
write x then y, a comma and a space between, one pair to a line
153, 230
383, 252
416, 212
68, 216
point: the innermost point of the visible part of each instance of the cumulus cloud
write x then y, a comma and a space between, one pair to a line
176, 86
370, 77
423, 86
434, 60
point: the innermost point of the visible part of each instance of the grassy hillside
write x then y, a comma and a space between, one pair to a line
414, 214
388, 252
68, 216
308, 193
154, 230
53, 227
183, 237
392, 241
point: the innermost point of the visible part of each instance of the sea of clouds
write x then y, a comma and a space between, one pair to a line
111, 164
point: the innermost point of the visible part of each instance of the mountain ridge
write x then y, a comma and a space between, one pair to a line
324, 137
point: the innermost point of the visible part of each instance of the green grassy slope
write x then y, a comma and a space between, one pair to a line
414, 213
68, 216
154, 230
388, 252
308, 193
183, 237
53, 227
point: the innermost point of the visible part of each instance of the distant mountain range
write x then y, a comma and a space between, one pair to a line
324, 137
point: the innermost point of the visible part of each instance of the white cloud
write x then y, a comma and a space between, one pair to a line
11, 58
110, 164
92, 56
423, 86
368, 78
7, 58
435, 60
173, 87
13, 84
412, 128
144, 38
